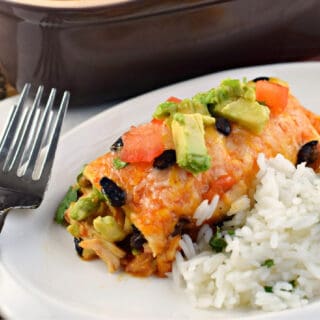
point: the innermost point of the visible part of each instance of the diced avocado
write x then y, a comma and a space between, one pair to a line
233, 89
190, 106
228, 91
249, 93
165, 109
168, 108
86, 205
73, 229
205, 98
188, 137
208, 120
230, 88
119, 164
249, 114
108, 228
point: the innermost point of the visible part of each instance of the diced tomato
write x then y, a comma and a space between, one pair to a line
273, 95
220, 186
224, 183
142, 143
174, 99
157, 121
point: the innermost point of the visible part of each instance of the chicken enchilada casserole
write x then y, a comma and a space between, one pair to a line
185, 168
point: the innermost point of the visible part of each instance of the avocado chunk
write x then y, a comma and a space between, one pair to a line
73, 229
188, 137
236, 101
229, 90
165, 109
249, 114
86, 205
189, 106
108, 228
168, 108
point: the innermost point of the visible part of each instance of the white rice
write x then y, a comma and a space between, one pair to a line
205, 210
283, 226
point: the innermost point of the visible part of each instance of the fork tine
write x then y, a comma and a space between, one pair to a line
52, 144
12, 115
13, 123
12, 163
24, 146
19, 129
35, 148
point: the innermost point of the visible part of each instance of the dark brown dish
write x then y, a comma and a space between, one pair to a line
103, 50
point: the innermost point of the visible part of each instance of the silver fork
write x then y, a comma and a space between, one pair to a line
27, 150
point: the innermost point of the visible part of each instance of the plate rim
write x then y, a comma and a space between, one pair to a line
124, 104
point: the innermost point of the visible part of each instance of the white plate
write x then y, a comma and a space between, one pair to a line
41, 277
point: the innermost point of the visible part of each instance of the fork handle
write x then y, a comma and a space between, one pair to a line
3, 215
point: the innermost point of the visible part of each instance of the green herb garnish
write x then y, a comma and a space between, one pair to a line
119, 164
71, 196
217, 242
268, 263
268, 289
294, 283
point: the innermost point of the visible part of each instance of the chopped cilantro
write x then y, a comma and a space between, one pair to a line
294, 283
119, 164
217, 242
268, 289
71, 196
268, 263
231, 232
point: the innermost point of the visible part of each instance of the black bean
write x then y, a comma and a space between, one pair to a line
223, 125
77, 247
260, 78
125, 244
308, 153
166, 159
115, 194
79, 193
137, 239
180, 226
117, 145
